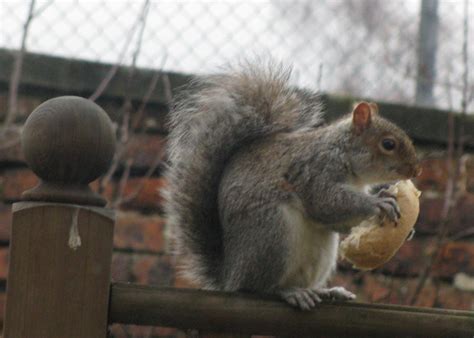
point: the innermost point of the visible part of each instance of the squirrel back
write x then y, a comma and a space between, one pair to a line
209, 122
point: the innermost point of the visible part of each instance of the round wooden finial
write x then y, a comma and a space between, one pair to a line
68, 142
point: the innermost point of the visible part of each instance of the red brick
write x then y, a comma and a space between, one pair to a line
143, 269
144, 149
410, 258
451, 298
397, 290
139, 232
383, 289
407, 261
430, 215
413, 256
462, 215
14, 182
5, 221
434, 175
455, 257
377, 288
122, 267
148, 198
11, 146
155, 270
108, 191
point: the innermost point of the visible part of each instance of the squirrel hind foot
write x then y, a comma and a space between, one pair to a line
306, 299
340, 293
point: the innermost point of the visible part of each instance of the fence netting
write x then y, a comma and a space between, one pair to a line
364, 48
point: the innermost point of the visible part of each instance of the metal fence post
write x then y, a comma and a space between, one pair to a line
427, 50
61, 244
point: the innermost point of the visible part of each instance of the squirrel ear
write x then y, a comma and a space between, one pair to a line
374, 109
361, 117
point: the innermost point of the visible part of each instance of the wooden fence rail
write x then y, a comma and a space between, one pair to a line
61, 248
249, 314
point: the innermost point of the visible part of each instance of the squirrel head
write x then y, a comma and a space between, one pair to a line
388, 153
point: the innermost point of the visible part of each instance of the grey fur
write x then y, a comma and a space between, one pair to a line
248, 155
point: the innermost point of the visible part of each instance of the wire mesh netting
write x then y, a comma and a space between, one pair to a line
365, 48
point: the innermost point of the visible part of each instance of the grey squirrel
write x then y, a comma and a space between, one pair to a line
259, 187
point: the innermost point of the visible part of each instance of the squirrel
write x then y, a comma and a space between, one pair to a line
259, 186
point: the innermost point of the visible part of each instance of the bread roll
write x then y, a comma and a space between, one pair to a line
374, 242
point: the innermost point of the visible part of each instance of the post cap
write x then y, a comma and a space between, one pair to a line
68, 142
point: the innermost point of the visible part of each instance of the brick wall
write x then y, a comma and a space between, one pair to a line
140, 254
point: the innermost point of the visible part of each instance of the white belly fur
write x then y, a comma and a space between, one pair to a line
312, 250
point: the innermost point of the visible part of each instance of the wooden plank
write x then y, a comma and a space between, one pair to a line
54, 290
72, 76
249, 314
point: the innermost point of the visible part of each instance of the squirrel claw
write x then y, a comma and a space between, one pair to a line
381, 190
307, 298
387, 203
340, 293
388, 207
302, 298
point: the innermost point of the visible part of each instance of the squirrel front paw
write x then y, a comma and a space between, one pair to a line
386, 206
307, 298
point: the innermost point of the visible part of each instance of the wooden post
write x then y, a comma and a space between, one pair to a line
61, 244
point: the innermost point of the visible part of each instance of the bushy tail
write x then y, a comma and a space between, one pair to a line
207, 124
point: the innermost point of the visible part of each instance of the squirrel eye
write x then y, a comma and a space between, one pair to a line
388, 144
